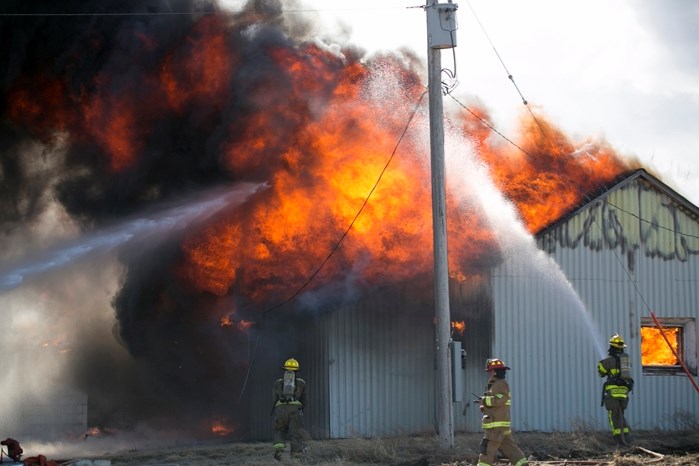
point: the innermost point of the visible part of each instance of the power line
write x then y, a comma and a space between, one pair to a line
190, 13
509, 75
141, 13
492, 128
671, 230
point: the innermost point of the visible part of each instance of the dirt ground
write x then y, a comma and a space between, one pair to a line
680, 448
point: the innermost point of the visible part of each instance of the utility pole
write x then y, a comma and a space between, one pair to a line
441, 30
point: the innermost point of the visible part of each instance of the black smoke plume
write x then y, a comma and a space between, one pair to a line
71, 71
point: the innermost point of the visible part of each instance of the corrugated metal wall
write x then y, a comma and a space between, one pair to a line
370, 364
670, 289
622, 257
381, 367
61, 413
285, 335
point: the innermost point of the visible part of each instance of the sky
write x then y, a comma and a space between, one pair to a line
626, 71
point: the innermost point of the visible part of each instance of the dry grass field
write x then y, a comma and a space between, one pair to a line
679, 448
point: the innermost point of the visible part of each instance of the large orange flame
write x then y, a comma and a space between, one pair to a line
321, 170
654, 348
327, 172
543, 172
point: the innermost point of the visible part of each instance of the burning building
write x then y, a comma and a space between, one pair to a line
191, 195
629, 248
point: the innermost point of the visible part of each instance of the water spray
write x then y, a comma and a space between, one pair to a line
515, 241
142, 228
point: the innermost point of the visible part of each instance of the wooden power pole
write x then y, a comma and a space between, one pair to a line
440, 34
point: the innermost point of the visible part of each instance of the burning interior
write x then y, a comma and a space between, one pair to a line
666, 348
655, 351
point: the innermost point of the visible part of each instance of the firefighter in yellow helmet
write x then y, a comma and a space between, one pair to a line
495, 406
289, 401
615, 392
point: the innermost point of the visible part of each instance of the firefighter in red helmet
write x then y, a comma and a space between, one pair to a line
615, 392
289, 401
495, 406
14, 451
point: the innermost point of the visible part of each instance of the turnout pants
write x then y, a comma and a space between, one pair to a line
615, 412
288, 425
499, 438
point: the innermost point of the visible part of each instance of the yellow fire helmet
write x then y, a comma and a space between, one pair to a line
291, 364
617, 341
494, 364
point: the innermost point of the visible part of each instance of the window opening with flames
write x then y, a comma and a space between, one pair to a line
659, 358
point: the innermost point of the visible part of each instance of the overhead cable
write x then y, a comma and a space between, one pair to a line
509, 75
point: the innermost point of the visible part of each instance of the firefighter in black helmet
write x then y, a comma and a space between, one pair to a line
615, 391
495, 406
289, 401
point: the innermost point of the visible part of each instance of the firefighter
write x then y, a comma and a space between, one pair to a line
289, 401
495, 406
14, 451
615, 392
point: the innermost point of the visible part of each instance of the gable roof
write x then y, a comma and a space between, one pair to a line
623, 180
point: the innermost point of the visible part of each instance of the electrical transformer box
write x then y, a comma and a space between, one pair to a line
457, 371
441, 25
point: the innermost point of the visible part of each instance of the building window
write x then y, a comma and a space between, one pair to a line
656, 356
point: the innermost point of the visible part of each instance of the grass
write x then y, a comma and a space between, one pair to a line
679, 448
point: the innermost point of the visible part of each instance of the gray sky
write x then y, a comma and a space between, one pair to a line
624, 71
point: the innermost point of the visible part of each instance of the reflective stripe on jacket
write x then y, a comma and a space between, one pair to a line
616, 391
496, 405
289, 403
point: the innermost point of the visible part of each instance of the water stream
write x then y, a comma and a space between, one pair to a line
143, 228
515, 241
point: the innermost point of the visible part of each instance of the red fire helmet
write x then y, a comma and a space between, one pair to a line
494, 364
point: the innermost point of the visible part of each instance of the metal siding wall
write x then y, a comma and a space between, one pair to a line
552, 350
602, 284
270, 346
382, 368
265, 359
670, 290
370, 365
316, 351
539, 333
60, 415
